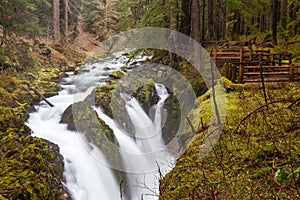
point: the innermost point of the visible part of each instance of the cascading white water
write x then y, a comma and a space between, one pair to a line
147, 132
140, 154
85, 177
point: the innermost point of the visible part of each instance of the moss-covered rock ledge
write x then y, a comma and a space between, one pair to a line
30, 168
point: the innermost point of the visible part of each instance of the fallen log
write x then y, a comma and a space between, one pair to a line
42, 97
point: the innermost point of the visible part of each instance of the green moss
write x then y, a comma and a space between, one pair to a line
117, 74
144, 93
96, 131
250, 162
26, 168
103, 95
193, 77
76, 70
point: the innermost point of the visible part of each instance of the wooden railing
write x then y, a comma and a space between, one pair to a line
244, 65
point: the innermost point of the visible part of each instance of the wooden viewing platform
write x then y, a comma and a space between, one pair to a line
244, 65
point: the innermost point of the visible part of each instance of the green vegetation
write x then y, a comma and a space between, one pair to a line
29, 170
257, 159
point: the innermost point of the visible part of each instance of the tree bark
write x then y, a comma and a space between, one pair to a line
203, 20
66, 10
106, 17
262, 23
173, 26
210, 19
236, 28
284, 12
274, 21
222, 20
195, 20
42, 97
185, 24
56, 18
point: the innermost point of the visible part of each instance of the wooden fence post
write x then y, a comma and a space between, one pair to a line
241, 72
233, 72
215, 54
292, 69
227, 70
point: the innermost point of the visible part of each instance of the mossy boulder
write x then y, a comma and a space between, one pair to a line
146, 94
171, 126
117, 74
84, 119
143, 89
11, 117
103, 95
109, 99
31, 168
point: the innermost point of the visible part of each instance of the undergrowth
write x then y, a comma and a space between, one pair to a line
258, 158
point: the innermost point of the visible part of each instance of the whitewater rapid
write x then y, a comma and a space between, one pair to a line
84, 176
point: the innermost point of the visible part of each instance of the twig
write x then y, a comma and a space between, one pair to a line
213, 92
121, 193
263, 83
294, 103
258, 109
159, 171
42, 97
191, 125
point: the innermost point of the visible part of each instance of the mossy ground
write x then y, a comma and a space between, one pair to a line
257, 160
28, 168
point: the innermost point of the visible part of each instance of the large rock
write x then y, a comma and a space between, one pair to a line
82, 118
108, 98
31, 168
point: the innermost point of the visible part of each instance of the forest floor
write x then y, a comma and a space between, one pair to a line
266, 162
85, 42
257, 157
31, 168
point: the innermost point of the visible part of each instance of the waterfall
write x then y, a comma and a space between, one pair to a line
84, 176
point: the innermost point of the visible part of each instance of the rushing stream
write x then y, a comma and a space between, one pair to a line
85, 177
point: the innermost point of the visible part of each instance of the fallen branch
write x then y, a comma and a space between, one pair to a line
159, 171
294, 103
42, 97
263, 82
258, 109
191, 125
121, 190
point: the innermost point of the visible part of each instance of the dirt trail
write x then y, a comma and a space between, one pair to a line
85, 42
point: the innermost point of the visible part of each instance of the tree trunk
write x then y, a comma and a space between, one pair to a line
66, 9
262, 23
274, 21
284, 12
195, 20
210, 19
222, 20
203, 21
106, 17
56, 29
185, 24
236, 28
173, 26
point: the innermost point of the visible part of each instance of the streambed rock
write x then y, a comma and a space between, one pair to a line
117, 74
84, 119
143, 89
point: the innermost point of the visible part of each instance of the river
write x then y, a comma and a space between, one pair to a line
85, 177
